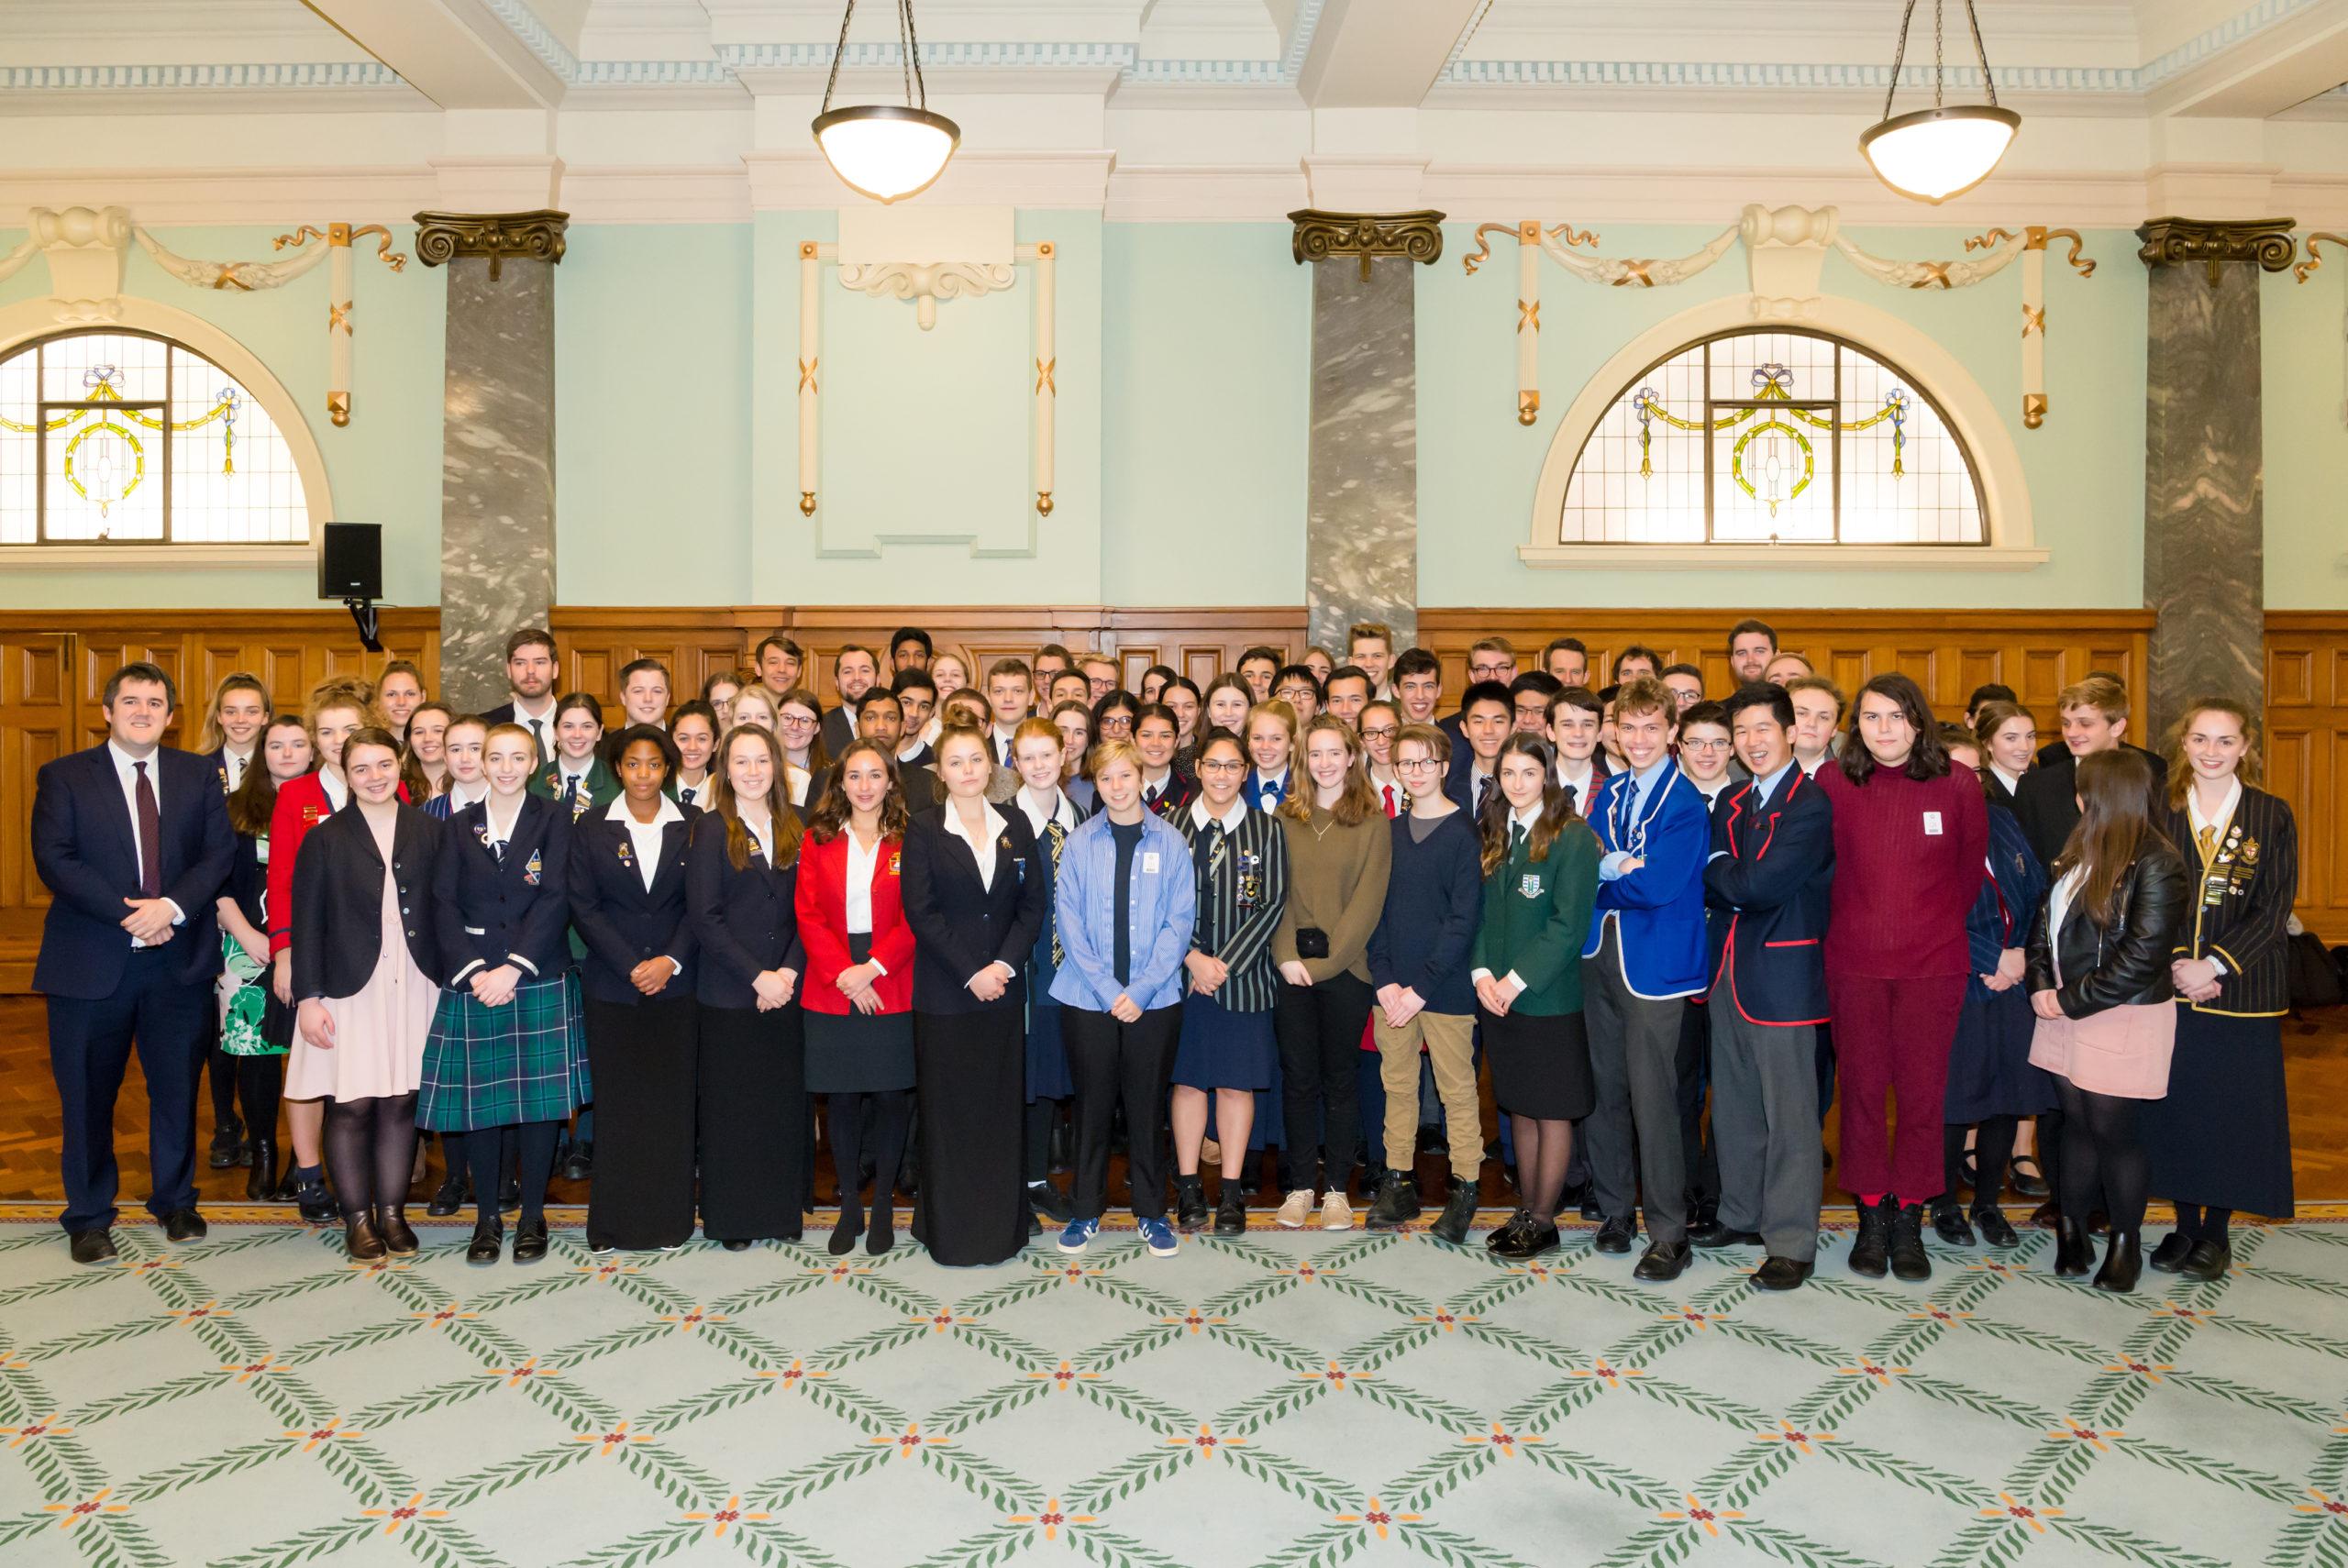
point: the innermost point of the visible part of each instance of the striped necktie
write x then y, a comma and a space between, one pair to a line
1057, 836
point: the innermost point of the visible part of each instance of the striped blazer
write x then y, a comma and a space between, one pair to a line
2242, 890
1240, 893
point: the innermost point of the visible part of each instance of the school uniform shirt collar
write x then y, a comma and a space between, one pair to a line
461, 794
234, 764
338, 789
2013, 781
1063, 812
562, 767
1581, 781
2226, 812
670, 811
1644, 785
1764, 788
1527, 817
1200, 816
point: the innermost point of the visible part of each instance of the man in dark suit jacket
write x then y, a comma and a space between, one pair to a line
1485, 718
531, 667
882, 721
2094, 716
854, 672
132, 840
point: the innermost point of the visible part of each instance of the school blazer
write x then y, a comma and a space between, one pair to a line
337, 898
603, 786
958, 926
1767, 888
516, 911
1238, 905
1660, 908
2240, 903
745, 921
86, 852
1180, 790
2010, 898
823, 925
622, 923
1536, 917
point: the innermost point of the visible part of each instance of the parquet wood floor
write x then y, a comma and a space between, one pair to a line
2315, 1047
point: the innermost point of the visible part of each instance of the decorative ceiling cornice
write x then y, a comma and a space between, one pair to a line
197, 78
2184, 242
1321, 235
499, 236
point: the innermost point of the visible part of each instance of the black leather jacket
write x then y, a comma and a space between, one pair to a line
2125, 963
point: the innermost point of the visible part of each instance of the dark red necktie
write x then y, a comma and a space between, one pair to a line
151, 839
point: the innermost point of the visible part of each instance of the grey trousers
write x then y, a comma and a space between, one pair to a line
1633, 1055
1765, 1125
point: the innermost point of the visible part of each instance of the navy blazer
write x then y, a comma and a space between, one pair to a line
338, 915
513, 911
745, 921
1765, 892
86, 854
621, 923
960, 925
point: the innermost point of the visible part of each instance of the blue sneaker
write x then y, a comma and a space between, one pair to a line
1159, 1237
1079, 1234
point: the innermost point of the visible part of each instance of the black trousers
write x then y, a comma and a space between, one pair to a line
1108, 1063
90, 1042
1319, 1028
646, 1060
1695, 1065
752, 1106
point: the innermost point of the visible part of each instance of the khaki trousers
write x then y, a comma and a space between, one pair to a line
1449, 1038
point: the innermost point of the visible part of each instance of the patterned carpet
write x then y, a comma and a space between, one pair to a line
1285, 1399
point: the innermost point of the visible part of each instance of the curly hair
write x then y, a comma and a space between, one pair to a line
831, 813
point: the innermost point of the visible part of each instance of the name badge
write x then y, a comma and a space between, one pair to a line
1932, 825
1149, 863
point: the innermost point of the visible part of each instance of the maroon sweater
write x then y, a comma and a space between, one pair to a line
1901, 890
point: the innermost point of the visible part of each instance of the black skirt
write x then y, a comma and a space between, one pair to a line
1988, 1062
644, 1060
1540, 1065
2223, 1137
972, 1206
753, 1077
860, 1052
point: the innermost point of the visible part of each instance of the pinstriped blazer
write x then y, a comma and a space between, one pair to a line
1240, 893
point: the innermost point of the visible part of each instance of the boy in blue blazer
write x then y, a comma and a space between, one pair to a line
1645, 958
1766, 881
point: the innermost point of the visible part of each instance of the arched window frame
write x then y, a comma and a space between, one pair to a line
1934, 372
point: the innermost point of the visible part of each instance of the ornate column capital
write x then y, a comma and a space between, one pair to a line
523, 236
1417, 237
2178, 242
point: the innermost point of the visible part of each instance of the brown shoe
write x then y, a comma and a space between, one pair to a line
391, 1223
2047, 1216
359, 1238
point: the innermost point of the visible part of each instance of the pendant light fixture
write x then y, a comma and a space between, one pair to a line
1932, 154
887, 151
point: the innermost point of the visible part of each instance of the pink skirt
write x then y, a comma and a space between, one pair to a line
378, 1033
2121, 1051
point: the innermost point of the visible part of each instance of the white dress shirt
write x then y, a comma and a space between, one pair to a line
2013, 781
982, 849
1063, 812
1201, 814
235, 765
462, 794
2225, 815
861, 865
646, 836
125, 768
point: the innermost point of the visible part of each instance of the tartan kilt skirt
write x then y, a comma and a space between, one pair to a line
497, 1066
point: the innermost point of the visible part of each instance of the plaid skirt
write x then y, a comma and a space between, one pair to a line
496, 1066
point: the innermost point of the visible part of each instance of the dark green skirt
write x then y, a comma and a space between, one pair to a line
498, 1067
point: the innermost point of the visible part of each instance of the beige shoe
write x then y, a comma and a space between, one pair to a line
1294, 1208
1210, 1153
1336, 1214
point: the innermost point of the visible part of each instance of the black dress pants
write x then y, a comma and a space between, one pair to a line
1319, 1028
1111, 1063
90, 1042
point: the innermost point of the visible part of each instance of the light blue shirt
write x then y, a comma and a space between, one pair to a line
1162, 905
1610, 866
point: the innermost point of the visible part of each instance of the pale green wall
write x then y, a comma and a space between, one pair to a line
652, 415
384, 467
1208, 348
2305, 364
1477, 468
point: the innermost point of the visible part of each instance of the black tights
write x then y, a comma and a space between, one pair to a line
2195, 1223
1993, 1146
892, 1111
260, 1082
484, 1152
1041, 1114
1543, 1149
2103, 1148
371, 1149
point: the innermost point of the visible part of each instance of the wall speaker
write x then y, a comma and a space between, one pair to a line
350, 561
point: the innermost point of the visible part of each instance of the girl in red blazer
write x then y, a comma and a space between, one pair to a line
860, 983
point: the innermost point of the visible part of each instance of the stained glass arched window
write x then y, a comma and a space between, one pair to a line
115, 437
1772, 436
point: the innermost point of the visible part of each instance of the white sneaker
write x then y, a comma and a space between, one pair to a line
1336, 1214
1294, 1208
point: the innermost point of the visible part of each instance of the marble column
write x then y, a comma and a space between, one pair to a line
497, 439
1361, 525
2204, 460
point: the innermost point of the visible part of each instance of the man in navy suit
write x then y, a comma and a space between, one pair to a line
1767, 883
132, 840
1486, 716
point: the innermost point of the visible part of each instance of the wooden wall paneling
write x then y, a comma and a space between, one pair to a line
2306, 754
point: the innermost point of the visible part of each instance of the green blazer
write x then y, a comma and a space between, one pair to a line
1536, 917
603, 786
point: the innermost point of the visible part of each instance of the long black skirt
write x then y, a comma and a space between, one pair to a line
753, 1123
644, 1059
972, 1069
2223, 1137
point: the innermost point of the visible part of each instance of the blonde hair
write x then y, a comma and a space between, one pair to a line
1117, 749
1647, 694
214, 736
508, 728
2103, 694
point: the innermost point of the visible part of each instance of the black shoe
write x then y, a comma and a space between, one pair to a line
1432, 1140
509, 1196
1502, 1236
2033, 1185
1780, 1274
530, 1240
1190, 1203
2169, 1256
1664, 1261
1615, 1236
227, 1145
1372, 1178
1909, 1259
392, 1225
849, 1226
359, 1237
1050, 1202
2047, 1216
1994, 1227
185, 1225
1710, 1234
1532, 1236
489, 1242
880, 1231
1397, 1202
1231, 1214
1251, 1178
2124, 1264
316, 1204
1950, 1225
736, 1245
263, 1180
1871, 1248
95, 1245
449, 1195
2208, 1260
1458, 1213
2072, 1253
579, 1167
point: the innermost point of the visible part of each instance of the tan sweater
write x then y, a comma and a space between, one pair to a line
1336, 881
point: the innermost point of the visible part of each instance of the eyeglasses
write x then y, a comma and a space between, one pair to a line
1379, 732
1225, 766
1703, 745
1412, 764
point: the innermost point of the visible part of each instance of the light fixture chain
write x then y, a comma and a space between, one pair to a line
1980, 53
1936, 54
912, 51
1898, 55
841, 49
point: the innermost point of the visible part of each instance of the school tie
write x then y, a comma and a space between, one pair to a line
684, 794
1269, 795
1389, 800
1515, 838
1483, 788
1057, 835
151, 839
538, 733
1006, 755
571, 790
2207, 837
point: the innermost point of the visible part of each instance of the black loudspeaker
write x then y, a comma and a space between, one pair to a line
350, 561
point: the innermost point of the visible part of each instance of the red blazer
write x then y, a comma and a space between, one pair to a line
823, 926
301, 805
